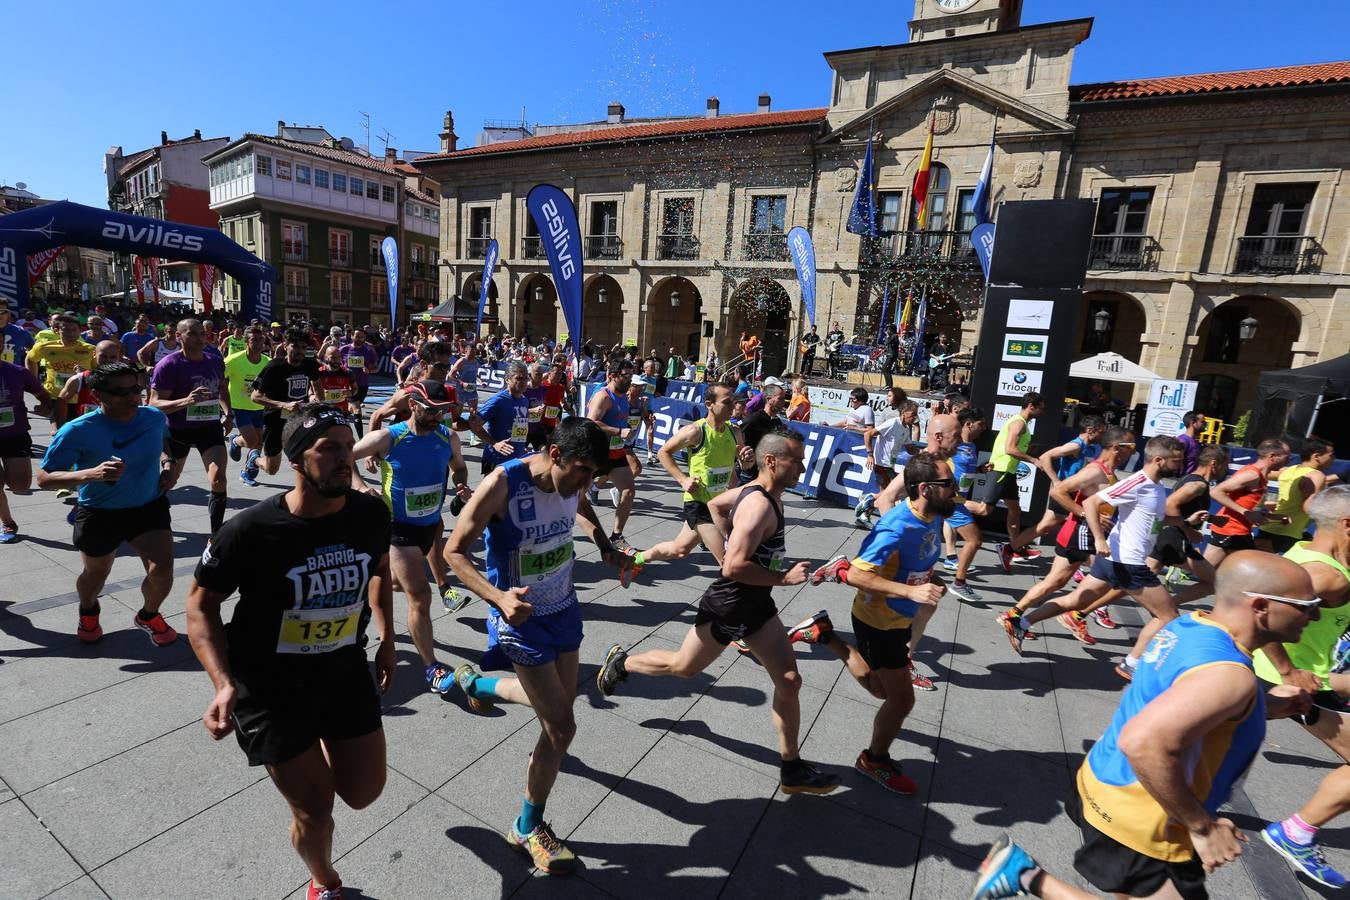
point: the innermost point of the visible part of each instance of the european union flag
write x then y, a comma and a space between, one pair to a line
862, 219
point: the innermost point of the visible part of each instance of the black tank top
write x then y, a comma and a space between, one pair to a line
1201, 501
768, 554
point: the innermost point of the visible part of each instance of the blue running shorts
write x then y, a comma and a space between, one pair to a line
537, 641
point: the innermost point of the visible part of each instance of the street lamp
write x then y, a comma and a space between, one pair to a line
539, 293
602, 295
1247, 328
675, 298
1101, 321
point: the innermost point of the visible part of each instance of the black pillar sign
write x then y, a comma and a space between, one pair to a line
1032, 303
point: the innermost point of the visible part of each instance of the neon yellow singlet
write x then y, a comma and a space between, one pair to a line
711, 462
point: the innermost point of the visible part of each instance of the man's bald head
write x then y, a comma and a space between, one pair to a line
1245, 584
944, 433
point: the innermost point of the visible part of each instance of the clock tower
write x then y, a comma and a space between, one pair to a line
955, 18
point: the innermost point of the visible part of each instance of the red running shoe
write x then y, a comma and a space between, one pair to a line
323, 893
1029, 552
161, 635
89, 631
1005, 557
920, 682
835, 570
1077, 627
814, 629
887, 774
1103, 617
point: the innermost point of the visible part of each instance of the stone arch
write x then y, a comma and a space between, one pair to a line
760, 306
1130, 320
468, 301
536, 308
602, 321
666, 324
1228, 367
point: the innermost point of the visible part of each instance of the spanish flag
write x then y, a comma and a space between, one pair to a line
921, 180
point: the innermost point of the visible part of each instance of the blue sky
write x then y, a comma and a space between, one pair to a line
81, 77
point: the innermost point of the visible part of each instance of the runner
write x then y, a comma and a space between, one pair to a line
284, 384
888, 448
63, 358
1298, 485
1193, 425
465, 376
157, 348
15, 341
894, 580
113, 457
190, 388
291, 677
141, 334
1058, 463
336, 385
1318, 663
964, 462
609, 409
433, 362
360, 359
1010, 448
739, 605
527, 510
417, 457
1174, 547
640, 392
554, 400
233, 339
16, 446
1240, 497
76, 393
1073, 545
241, 372
505, 416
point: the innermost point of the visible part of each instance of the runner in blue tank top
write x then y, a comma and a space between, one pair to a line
526, 510
609, 409
416, 456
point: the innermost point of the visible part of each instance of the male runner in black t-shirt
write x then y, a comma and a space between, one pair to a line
285, 383
289, 670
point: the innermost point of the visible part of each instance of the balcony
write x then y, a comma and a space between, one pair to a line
1124, 252
766, 246
953, 247
339, 260
1278, 255
677, 246
420, 269
477, 247
532, 247
604, 246
294, 251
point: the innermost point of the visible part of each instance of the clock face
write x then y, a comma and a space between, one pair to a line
955, 6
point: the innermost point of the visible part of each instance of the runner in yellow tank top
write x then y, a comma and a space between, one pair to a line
1010, 448
1298, 484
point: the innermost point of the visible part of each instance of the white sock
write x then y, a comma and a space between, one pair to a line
1299, 831
1131, 662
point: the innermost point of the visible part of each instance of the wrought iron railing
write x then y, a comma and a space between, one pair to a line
1278, 255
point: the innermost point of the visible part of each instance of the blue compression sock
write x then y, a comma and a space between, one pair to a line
483, 688
531, 817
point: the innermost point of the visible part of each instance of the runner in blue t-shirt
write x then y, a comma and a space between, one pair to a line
15, 340
505, 427
113, 456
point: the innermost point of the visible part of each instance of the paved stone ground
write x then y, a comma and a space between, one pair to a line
110, 787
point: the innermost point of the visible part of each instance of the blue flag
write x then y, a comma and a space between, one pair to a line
862, 219
982, 239
489, 264
804, 259
919, 362
556, 218
389, 250
983, 188
885, 302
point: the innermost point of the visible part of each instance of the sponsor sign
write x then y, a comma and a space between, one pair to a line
1030, 313
1013, 382
1168, 401
1025, 349
1005, 411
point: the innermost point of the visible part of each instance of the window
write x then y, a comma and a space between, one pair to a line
939, 182
605, 218
293, 240
302, 174
248, 233
768, 215
372, 190
379, 292
888, 212
265, 165
416, 251
1274, 241
376, 257
1225, 339
297, 286
358, 187
480, 232
283, 170
677, 216
339, 182
342, 288
339, 247
321, 178
1279, 209
965, 211
1123, 211
415, 210
386, 193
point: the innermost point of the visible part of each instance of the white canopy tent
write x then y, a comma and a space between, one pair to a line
164, 294
1111, 367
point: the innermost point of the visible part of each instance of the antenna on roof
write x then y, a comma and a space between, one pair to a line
365, 123
387, 137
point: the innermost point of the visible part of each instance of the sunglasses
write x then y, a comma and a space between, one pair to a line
1288, 601
949, 483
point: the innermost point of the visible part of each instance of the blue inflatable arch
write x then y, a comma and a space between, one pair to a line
54, 224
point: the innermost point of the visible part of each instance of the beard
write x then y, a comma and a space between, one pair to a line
943, 506
334, 486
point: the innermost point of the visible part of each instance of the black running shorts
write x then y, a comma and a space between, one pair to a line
1281, 543
16, 446
696, 513
406, 534
1232, 543
734, 620
99, 532
183, 441
882, 648
276, 718
1172, 548
273, 423
1112, 867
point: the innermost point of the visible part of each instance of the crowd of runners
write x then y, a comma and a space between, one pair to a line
315, 569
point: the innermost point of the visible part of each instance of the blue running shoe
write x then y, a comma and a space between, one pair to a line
862, 513
1340, 657
439, 678
1000, 875
251, 464
235, 450
949, 563
1307, 858
246, 478
70, 516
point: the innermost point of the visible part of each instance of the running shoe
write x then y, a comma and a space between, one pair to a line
621, 544
9, 534
836, 570
651, 458
920, 681
594, 493
465, 676
1103, 617
161, 635
251, 465
814, 629
454, 599
549, 854
1125, 670
439, 678
808, 780
1307, 858
323, 893
246, 478
1077, 627
236, 451
862, 512
1016, 633
1340, 657
1028, 552
742, 647
1078, 576
614, 497
629, 573
612, 670
89, 631
64, 494
886, 773
949, 563
1000, 875
1005, 557
964, 591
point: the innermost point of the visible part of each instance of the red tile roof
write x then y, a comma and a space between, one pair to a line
136, 160
1214, 82
677, 128
420, 195
329, 153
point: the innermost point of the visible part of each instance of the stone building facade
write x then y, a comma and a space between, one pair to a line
1220, 247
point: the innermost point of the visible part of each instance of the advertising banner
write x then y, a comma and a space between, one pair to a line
489, 266
804, 261
207, 276
1168, 401
556, 218
389, 250
39, 263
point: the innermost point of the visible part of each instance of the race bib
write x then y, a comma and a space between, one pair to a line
6, 416
204, 412
419, 502
634, 422
551, 412
718, 479
319, 630
776, 560
542, 564
536, 413
520, 428
616, 442
66, 374
356, 363
334, 395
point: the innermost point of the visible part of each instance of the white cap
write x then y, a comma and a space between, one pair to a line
638, 379
772, 380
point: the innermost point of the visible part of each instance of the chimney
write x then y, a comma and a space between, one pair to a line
448, 137
196, 134
390, 155
163, 138
615, 116
281, 126
763, 103
714, 107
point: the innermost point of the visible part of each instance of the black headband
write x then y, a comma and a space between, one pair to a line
311, 429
